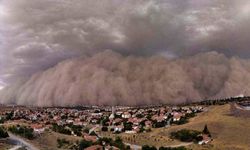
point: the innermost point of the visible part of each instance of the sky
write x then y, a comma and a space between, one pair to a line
36, 35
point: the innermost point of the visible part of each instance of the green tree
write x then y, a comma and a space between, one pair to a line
185, 135
206, 131
84, 144
173, 148
3, 133
104, 128
127, 125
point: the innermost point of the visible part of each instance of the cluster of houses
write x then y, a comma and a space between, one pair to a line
115, 119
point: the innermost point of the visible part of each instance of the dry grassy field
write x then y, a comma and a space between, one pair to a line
228, 132
48, 140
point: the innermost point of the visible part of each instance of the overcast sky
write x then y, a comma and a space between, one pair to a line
37, 34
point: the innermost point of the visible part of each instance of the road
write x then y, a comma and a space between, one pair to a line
16, 147
137, 147
133, 146
179, 145
20, 142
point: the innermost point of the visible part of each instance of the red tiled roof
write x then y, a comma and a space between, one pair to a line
90, 138
36, 126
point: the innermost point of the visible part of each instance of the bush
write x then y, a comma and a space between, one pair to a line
9, 115
104, 139
185, 135
77, 129
104, 128
1, 120
86, 130
191, 115
23, 131
60, 129
105, 121
173, 148
127, 125
159, 124
182, 120
117, 142
84, 144
62, 142
93, 133
3, 133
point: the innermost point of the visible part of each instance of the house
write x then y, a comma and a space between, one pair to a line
130, 132
119, 113
38, 128
177, 116
159, 118
91, 138
94, 121
56, 118
111, 148
118, 128
148, 124
69, 121
135, 121
117, 120
126, 115
136, 129
205, 139
77, 121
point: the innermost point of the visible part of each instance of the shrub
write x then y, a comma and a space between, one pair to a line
127, 125
62, 142
23, 131
84, 144
60, 129
173, 148
3, 133
104, 128
185, 135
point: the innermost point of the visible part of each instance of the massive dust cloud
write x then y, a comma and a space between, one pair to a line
123, 52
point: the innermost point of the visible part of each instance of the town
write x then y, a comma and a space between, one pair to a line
115, 127
91, 123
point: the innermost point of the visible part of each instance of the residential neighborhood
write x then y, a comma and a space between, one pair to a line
90, 123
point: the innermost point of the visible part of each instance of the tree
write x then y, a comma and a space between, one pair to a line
9, 115
93, 133
127, 125
3, 133
104, 128
23, 131
105, 121
84, 144
118, 143
60, 129
62, 142
206, 131
172, 148
86, 130
185, 135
